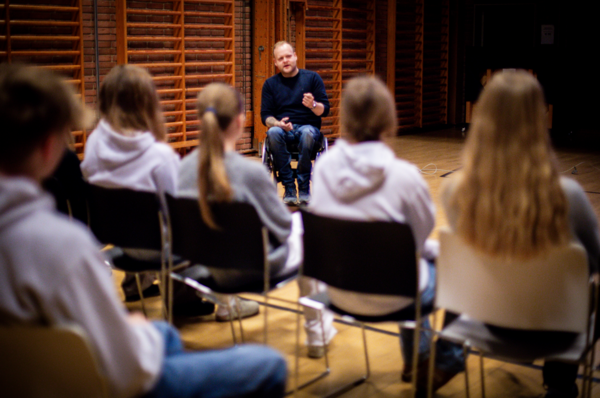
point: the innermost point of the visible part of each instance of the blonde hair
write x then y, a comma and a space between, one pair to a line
281, 44
35, 103
129, 101
508, 196
218, 105
368, 110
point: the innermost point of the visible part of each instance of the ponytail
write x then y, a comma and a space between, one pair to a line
218, 105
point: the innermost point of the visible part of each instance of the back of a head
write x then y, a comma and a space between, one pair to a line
128, 101
218, 105
34, 103
509, 199
368, 112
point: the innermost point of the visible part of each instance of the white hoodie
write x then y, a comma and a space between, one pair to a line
139, 162
51, 272
366, 181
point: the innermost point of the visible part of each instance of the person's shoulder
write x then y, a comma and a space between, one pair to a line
164, 150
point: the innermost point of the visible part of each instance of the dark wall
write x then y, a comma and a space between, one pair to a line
507, 34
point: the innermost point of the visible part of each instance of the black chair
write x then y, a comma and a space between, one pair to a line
267, 156
131, 219
373, 257
240, 243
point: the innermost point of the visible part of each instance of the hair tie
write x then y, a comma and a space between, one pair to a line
210, 109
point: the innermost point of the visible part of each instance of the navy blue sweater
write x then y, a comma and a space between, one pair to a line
282, 97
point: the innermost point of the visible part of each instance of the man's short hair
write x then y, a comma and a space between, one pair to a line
281, 44
34, 103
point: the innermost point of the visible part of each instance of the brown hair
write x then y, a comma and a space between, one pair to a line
34, 103
128, 101
218, 105
368, 110
508, 197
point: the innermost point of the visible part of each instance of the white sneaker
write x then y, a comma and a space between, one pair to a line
248, 307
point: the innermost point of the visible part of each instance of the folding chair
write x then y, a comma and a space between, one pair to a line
240, 243
132, 219
56, 361
375, 257
541, 308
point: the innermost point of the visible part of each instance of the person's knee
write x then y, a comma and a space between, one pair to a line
275, 133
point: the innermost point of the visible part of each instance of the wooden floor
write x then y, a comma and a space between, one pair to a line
435, 153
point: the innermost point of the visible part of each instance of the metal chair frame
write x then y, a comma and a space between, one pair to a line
333, 245
472, 332
241, 243
267, 156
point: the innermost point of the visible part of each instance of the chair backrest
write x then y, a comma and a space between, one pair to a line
377, 257
52, 361
548, 292
237, 244
125, 218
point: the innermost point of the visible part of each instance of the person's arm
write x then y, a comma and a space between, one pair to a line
130, 352
165, 175
583, 221
308, 100
320, 96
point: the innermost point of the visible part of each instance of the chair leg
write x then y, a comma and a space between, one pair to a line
415, 359
297, 385
466, 354
231, 321
481, 375
368, 367
139, 286
432, 352
239, 317
265, 320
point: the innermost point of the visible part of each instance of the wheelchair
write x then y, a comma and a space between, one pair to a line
267, 156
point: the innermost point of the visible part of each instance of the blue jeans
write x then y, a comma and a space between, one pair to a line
245, 371
303, 136
449, 356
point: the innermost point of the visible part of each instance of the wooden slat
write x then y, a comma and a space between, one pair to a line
43, 23
209, 76
59, 67
53, 38
151, 12
193, 38
42, 8
157, 25
208, 63
154, 65
153, 38
153, 52
207, 26
32, 53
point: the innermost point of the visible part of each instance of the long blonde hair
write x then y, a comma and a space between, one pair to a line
218, 105
508, 197
128, 101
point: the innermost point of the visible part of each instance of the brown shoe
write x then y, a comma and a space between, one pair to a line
440, 377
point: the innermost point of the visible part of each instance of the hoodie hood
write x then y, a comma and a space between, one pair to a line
19, 198
114, 150
361, 169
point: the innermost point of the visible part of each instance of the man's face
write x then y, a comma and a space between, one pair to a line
285, 60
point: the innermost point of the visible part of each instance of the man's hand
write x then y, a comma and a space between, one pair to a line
284, 124
308, 100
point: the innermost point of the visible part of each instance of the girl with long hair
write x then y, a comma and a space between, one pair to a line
128, 149
509, 200
362, 179
215, 172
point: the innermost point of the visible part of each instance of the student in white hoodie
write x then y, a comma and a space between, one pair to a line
51, 271
128, 149
360, 178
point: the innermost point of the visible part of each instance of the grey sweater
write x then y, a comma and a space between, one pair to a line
251, 184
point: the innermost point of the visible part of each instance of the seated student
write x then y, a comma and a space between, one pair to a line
128, 150
362, 179
51, 270
509, 199
215, 172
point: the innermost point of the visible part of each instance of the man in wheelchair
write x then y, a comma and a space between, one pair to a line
293, 103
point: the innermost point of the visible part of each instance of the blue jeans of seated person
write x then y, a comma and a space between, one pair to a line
242, 372
305, 137
449, 357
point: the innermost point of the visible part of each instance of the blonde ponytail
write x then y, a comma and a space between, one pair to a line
218, 104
